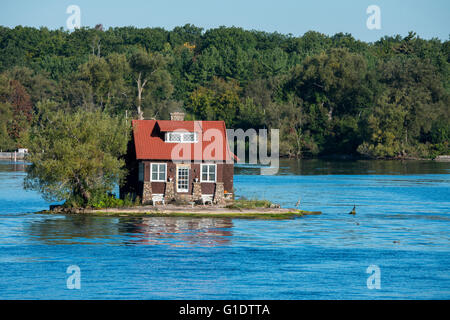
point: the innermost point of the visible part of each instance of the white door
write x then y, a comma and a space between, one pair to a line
183, 179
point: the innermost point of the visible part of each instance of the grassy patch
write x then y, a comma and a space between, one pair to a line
238, 215
249, 204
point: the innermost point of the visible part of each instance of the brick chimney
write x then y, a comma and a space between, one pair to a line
177, 116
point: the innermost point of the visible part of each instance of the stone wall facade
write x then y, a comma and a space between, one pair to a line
219, 196
222, 190
169, 193
147, 192
197, 192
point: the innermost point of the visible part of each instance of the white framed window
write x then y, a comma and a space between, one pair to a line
189, 137
183, 179
158, 172
177, 137
173, 136
208, 172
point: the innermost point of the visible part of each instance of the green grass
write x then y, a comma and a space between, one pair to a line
236, 215
249, 204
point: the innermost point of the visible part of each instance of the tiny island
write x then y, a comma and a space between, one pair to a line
174, 168
206, 211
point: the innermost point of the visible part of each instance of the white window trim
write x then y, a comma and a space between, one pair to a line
215, 172
182, 133
188, 179
151, 171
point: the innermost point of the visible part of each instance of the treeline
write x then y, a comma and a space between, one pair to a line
326, 94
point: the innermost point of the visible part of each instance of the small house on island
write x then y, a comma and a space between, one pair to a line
179, 160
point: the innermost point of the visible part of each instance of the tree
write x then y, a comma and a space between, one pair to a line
6, 143
17, 110
75, 156
326, 93
96, 74
103, 80
147, 68
334, 79
219, 101
413, 101
38, 86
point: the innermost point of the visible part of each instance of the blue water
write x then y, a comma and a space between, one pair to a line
402, 226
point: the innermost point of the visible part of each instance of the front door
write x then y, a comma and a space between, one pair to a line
183, 179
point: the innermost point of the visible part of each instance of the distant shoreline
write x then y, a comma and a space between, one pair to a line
12, 155
444, 158
343, 157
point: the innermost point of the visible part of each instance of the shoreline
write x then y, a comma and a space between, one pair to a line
343, 157
188, 212
335, 157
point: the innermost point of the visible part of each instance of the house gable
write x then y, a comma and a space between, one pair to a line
211, 145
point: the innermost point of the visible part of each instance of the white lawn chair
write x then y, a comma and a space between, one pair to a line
158, 197
207, 198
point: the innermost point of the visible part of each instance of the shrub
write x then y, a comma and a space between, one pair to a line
103, 201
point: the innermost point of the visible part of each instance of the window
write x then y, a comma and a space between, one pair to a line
173, 137
187, 137
208, 173
158, 172
183, 179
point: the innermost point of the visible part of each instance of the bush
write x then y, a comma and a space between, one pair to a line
103, 201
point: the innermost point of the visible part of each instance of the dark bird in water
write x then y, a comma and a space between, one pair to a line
353, 212
298, 203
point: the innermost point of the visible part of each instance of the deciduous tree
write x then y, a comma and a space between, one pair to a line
75, 156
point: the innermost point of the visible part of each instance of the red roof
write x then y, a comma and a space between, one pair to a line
171, 125
212, 142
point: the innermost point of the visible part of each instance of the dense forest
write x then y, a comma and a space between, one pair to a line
328, 95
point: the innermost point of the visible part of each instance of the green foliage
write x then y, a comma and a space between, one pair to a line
16, 111
110, 201
219, 101
326, 94
75, 156
244, 203
102, 200
149, 71
6, 142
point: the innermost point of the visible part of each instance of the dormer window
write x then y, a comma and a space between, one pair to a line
178, 137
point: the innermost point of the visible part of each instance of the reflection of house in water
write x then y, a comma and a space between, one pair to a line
178, 231
174, 231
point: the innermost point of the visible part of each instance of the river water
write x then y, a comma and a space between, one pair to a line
401, 228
